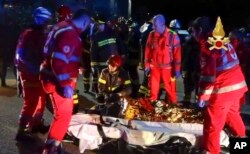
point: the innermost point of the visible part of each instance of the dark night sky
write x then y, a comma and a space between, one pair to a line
232, 12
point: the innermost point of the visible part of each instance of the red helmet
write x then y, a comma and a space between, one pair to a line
63, 13
115, 60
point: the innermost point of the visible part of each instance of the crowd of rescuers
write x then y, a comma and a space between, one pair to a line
114, 51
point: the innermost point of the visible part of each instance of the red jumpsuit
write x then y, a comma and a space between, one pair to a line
29, 57
63, 51
223, 85
163, 56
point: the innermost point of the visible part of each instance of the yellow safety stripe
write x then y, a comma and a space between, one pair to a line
144, 91
127, 82
75, 96
86, 51
144, 88
99, 63
172, 31
102, 81
75, 101
112, 88
107, 41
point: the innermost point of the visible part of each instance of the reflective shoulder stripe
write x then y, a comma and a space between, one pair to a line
62, 30
228, 65
62, 77
127, 82
207, 78
60, 56
225, 89
102, 81
74, 59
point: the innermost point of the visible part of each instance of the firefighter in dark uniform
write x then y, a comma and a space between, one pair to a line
105, 43
86, 39
190, 69
133, 57
114, 84
145, 29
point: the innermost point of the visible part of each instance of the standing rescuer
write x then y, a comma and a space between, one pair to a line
162, 59
222, 84
63, 13
59, 72
29, 56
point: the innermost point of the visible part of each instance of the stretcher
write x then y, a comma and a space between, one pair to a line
91, 129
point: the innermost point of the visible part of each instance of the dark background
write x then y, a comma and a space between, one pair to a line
17, 14
234, 13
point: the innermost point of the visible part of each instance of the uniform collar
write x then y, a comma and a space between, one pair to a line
165, 33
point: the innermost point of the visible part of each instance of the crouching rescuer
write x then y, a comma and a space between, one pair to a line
114, 85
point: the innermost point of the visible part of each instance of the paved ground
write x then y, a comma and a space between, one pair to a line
10, 106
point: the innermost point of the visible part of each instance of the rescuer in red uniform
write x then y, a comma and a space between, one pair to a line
65, 13
162, 59
222, 84
29, 56
59, 72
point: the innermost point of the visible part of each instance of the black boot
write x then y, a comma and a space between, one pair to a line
40, 128
23, 134
52, 148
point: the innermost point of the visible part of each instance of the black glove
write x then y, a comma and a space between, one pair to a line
100, 98
112, 98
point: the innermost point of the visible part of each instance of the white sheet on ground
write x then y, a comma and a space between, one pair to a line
83, 127
143, 133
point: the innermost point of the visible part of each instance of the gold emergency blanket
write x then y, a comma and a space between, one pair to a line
160, 111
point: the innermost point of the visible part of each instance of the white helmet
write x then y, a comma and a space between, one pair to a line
41, 15
175, 24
